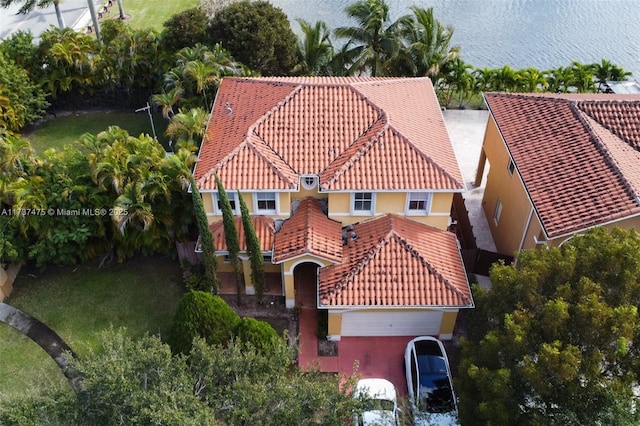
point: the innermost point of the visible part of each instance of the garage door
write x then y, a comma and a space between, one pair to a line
394, 323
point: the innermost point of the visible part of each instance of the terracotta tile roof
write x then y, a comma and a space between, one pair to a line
265, 132
265, 230
397, 262
577, 155
308, 231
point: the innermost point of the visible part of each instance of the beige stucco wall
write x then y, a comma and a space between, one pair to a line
516, 207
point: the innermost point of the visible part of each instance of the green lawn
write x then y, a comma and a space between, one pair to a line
78, 302
65, 129
150, 14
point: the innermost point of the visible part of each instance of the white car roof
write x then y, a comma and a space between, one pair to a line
377, 388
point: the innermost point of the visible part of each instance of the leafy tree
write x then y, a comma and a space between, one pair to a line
22, 101
186, 29
201, 314
230, 235
314, 49
206, 240
141, 382
373, 42
258, 35
582, 78
258, 333
254, 250
557, 336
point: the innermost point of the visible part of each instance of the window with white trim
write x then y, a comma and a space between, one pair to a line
363, 202
233, 200
309, 182
498, 211
266, 202
419, 203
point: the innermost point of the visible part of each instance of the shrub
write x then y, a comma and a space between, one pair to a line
257, 34
258, 333
186, 29
204, 315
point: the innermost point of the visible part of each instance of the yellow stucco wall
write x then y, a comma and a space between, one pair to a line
335, 324
448, 322
509, 189
392, 202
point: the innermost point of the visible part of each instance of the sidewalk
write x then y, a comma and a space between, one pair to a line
466, 131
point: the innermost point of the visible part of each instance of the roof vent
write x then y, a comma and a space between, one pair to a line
229, 109
331, 151
354, 236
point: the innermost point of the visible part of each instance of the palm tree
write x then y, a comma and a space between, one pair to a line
582, 78
373, 41
314, 49
29, 5
459, 80
504, 79
531, 80
188, 125
427, 42
167, 100
204, 74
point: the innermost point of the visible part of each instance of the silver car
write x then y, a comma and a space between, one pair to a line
429, 382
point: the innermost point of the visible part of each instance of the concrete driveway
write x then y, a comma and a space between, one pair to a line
74, 12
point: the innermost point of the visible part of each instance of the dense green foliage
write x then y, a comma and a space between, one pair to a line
204, 315
186, 29
141, 382
21, 100
258, 35
254, 250
109, 194
557, 339
258, 333
207, 245
230, 235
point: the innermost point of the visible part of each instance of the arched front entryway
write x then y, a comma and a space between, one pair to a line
305, 283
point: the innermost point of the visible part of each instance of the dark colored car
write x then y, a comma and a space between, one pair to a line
429, 382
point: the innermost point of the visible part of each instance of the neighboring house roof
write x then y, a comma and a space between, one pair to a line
578, 155
395, 261
265, 230
308, 231
354, 133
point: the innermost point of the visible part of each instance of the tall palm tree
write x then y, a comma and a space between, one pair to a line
29, 5
188, 125
204, 74
504, 79
167, 100
428, 44
373, 41
314, 49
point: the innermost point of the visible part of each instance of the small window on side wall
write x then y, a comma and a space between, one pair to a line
498, 211
511, 167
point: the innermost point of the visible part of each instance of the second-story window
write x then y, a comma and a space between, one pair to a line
363, 202
419, 203
266, 202
233, 200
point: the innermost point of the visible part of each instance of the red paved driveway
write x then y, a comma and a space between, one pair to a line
377, 356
